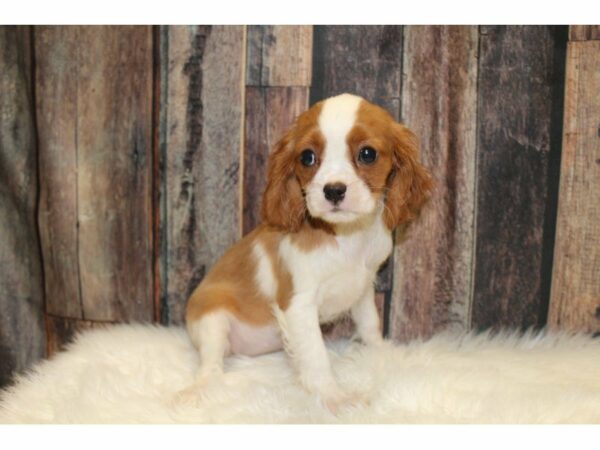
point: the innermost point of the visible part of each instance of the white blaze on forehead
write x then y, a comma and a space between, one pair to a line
337, 118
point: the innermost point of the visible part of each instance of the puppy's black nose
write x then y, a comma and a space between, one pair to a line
335, 192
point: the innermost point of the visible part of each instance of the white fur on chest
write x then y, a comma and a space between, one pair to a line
335, 277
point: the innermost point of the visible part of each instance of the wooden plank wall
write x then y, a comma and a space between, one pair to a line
575, 297
22, 333
152, 145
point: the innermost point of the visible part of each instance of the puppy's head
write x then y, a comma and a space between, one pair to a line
341, 159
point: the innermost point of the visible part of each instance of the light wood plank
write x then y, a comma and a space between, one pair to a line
584, 32
433, 262
575, 299
114, 167
202, 110
56, 50
279, 55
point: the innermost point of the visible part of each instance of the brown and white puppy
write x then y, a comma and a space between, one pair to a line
339, 182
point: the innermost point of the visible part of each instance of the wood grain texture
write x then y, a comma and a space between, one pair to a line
433, 262
105, 130
22, 333
62, 331
362, 60
340, 55
521, 82
269, 113
56, 50
202, 108
575, 300
279, 55
584, 32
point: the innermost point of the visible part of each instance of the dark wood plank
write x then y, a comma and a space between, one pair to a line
433, 261
521, 85
62, 331
584, 32
362, 60
270, 112
279, 55
575, 301
22, 333
202, 115
56, 50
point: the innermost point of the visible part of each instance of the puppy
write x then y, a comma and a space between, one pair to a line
339, 182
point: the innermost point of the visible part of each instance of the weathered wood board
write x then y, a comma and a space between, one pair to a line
584, 32
95, 108
22, 332
279, 55
575, 300
433, 261
521, 82
202, 106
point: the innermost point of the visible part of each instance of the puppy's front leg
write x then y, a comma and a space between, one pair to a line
304, 343
366, 318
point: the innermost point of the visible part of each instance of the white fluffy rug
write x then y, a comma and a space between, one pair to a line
130, 373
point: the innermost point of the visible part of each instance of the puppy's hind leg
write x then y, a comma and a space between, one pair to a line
210, 336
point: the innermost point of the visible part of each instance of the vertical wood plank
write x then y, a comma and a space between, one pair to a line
584, 32
202, 109
339, 64
433, 262
95, 109
114, 184
22, 332
56, 105
521, 82
575, 299
279, 55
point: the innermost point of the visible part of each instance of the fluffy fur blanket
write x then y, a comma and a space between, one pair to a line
130, 373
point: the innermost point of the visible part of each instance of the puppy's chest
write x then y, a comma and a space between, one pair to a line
337, 276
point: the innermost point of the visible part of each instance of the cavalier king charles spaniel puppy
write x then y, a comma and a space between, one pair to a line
339, 182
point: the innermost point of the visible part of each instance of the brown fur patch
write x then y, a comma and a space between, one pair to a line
397, 172
231, 284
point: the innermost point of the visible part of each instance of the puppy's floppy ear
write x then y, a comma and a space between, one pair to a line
409, 184
283, 203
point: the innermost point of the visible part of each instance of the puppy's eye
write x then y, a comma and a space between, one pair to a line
308, 158
367, 155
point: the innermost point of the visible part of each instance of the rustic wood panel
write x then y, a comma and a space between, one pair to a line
521, 82
362, 60
202, 110
433, 262
279, 55
62, 331
104, 129
575, 300
22, 333
56, 50
340, 55
584, 32
269, 113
